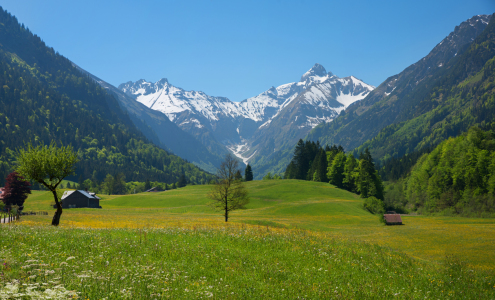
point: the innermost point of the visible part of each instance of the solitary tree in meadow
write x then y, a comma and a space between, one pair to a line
228, 193
47, 165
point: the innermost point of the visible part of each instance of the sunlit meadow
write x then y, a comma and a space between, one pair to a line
296, 240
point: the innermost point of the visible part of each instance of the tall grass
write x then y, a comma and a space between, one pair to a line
233, 262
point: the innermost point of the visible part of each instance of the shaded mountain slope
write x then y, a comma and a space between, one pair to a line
158, 128
44, 98
398, 98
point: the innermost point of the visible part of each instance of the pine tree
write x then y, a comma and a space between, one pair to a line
248, 173
147, 185
182, 181
321, 169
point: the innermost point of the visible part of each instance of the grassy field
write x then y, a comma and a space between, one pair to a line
295, 239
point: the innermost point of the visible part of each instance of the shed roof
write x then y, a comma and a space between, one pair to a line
86, 194
392, 218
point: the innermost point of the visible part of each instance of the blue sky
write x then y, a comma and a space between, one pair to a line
238, 49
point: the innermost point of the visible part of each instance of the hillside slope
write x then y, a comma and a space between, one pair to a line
44, 98
418, 90
158, 128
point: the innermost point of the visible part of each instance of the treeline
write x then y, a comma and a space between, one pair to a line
44, 98
313, 162
117, 185
457, 177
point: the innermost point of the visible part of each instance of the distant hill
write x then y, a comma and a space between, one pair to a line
44, 98
440, 96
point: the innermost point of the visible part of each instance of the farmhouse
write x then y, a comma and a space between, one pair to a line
392, 218
79, 198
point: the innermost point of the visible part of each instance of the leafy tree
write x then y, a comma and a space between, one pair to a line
16, 190
336, 171
268, 176
108, 184
248, 173
48, 165
119, 186
228, 193
374, 205
350, 174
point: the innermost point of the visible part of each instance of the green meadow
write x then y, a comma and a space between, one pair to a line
295, 239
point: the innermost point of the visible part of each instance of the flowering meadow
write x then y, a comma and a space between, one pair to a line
295, 240
233, 262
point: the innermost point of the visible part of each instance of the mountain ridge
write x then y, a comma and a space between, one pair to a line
238, 125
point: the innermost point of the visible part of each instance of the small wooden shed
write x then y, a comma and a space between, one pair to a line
392, 218
79, 198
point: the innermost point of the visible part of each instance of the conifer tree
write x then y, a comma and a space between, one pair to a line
248, 173
147, 185
182, 181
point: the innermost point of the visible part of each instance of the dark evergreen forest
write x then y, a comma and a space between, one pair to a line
313, 162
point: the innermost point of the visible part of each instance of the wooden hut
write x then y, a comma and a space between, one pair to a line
392, 218
79, 198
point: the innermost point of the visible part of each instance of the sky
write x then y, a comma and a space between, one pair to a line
238, 49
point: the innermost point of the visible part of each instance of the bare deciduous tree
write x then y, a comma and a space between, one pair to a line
228, 193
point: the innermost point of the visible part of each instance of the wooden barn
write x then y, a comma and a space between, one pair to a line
392, 218
79, 198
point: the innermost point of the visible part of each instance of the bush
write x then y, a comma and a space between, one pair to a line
374, 205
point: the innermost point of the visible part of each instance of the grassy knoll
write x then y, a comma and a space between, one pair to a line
295, 239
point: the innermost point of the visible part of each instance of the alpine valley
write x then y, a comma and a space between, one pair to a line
254, 128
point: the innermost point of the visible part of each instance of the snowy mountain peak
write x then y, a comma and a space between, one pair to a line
316, 70
162, 82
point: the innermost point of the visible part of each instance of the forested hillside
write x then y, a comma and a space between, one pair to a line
441, 96
457, 177
43, 97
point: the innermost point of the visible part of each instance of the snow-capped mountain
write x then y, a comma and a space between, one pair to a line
319, 96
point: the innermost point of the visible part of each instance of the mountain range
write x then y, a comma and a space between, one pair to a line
441, 95
257, 126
